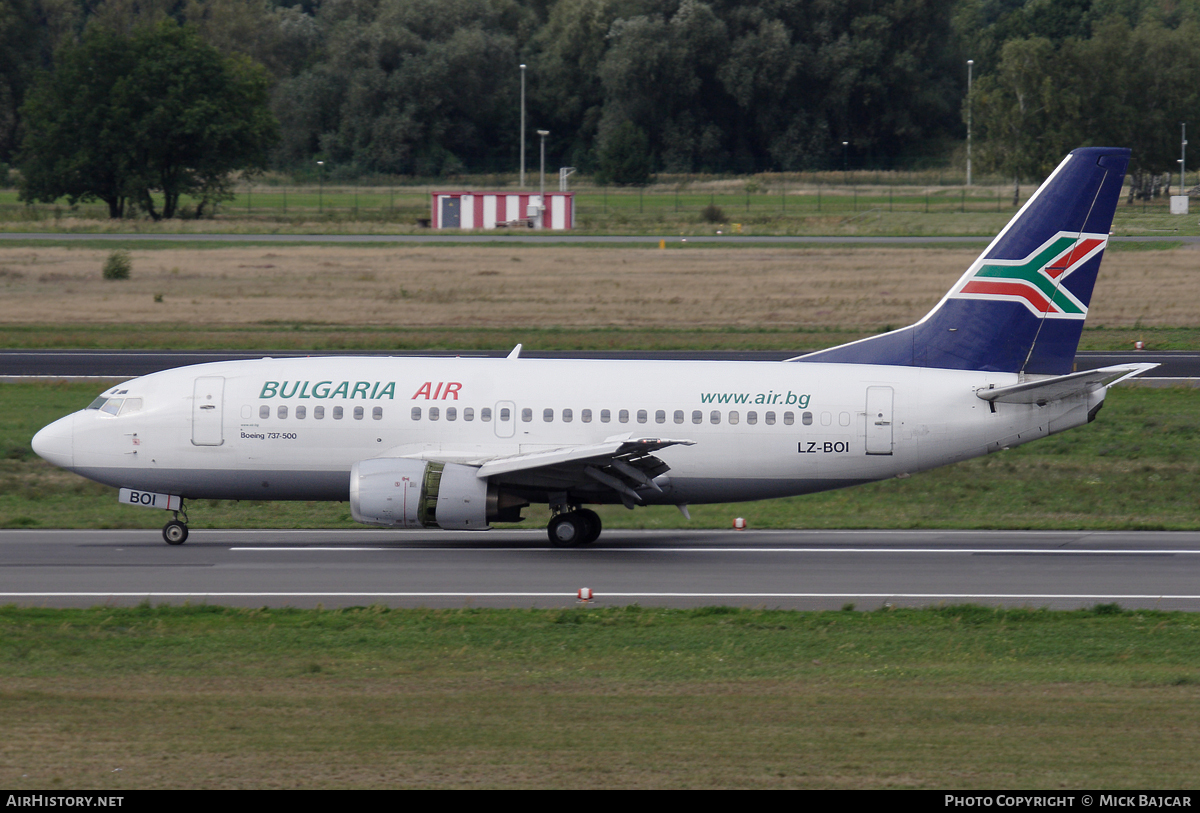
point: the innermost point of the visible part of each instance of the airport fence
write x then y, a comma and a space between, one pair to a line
755, 199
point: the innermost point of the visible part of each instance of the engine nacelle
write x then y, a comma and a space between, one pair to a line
403, 493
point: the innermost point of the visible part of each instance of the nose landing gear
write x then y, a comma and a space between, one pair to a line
175, 532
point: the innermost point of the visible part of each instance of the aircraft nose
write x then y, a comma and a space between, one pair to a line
56, 443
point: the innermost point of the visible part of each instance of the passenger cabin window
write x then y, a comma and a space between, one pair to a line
567, 415
714, 416
485, 414
733, 417
697, 416
660, 416
788, 419
264, 411
605, 416
301, 413
434, 413
548, 415
319, 413
377, 414
416, 413
282, 412
770, 419
505, 415
752, 418
806, 419
468, 413
526, 415
623, 416
843, 418
678, 416
337, 413
358, 413
641, 416
585, 415
451, 413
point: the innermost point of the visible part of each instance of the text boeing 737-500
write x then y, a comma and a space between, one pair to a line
458, 443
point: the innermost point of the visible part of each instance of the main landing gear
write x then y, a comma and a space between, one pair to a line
175, 532
579, 527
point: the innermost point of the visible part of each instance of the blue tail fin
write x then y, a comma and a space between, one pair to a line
1019, 307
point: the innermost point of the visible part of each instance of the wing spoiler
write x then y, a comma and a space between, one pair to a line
1045, 390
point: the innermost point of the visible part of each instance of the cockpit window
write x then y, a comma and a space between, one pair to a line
116, 406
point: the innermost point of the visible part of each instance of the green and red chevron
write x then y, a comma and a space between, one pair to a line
1035, 281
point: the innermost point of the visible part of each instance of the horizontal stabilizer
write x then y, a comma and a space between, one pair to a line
1045, 390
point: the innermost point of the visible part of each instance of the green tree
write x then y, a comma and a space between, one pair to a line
158, 110
1122, 86
76, 142
407, 86
1014, 111
660, 74
624, 156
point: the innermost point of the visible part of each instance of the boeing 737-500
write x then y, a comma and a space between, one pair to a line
459, 443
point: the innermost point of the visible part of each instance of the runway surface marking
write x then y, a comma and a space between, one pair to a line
1019, 551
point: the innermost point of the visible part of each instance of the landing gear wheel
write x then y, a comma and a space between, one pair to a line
566, 530
591, 521
175, 532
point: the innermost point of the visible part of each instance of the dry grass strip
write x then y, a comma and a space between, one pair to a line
867, 288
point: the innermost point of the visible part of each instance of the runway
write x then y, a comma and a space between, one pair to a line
776, 569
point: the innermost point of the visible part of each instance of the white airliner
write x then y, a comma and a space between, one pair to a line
458, 443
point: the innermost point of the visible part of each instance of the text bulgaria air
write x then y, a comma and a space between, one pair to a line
368, 390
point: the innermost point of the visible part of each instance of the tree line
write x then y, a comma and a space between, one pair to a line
625, 87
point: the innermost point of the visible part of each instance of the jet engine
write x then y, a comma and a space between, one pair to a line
404, 493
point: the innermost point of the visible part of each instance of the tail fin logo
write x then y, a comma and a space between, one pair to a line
1037, 280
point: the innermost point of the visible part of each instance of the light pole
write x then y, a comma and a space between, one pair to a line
542, 134
845, 161
1182, 155
542, 200
522, 184
320, 184
970, 65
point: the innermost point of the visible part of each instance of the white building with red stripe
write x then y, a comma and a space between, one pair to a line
492, 210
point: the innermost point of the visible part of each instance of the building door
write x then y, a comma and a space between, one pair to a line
451, 213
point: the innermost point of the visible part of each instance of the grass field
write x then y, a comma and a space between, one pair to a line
950, 698
471, 297
1135, 467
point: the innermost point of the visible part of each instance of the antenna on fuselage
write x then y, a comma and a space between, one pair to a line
516, 353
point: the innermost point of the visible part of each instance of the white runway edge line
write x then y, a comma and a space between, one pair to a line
601, 595
584, 550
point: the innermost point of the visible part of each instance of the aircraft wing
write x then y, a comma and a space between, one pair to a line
624, 465
1045, 390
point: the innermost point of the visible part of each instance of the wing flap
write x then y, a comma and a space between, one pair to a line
625, 465
628, 450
